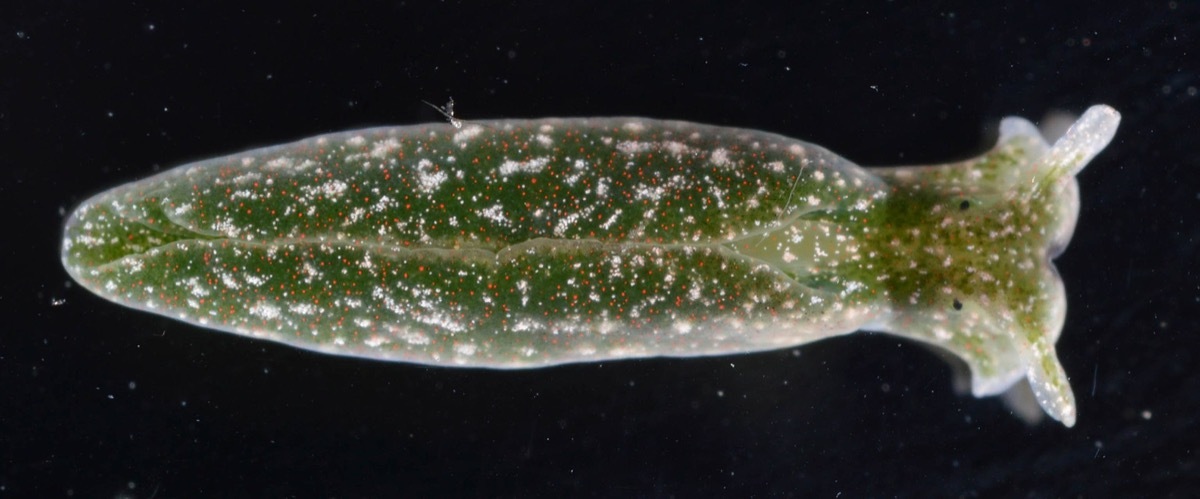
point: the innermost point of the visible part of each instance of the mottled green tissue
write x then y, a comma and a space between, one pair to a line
526, 243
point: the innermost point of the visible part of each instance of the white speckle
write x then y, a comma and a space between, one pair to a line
611, 220
382, 204
632, 147
382, 148
330, 189
280, 163
375, 341
264, 310
195, 288
534, 165
302, 308
226, 227
677, 149
602, 187
414, 338
429, 179
565, 223
524, 325
333, 188
230, 281
650, 193
607, 326
355, 215
465, 134
720, 157
494, 213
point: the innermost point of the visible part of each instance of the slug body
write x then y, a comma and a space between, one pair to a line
527, 243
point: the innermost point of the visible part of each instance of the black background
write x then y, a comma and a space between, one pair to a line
100, 401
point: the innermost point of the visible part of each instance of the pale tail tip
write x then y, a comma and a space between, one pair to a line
1052, 388
1086, 138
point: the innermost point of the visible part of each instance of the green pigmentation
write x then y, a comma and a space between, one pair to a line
528, 243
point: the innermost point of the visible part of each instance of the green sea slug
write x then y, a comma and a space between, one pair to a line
530, 243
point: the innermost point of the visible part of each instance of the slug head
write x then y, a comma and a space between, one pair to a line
969, 247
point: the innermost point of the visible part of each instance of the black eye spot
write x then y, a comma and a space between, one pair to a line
964, 205
957, 304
